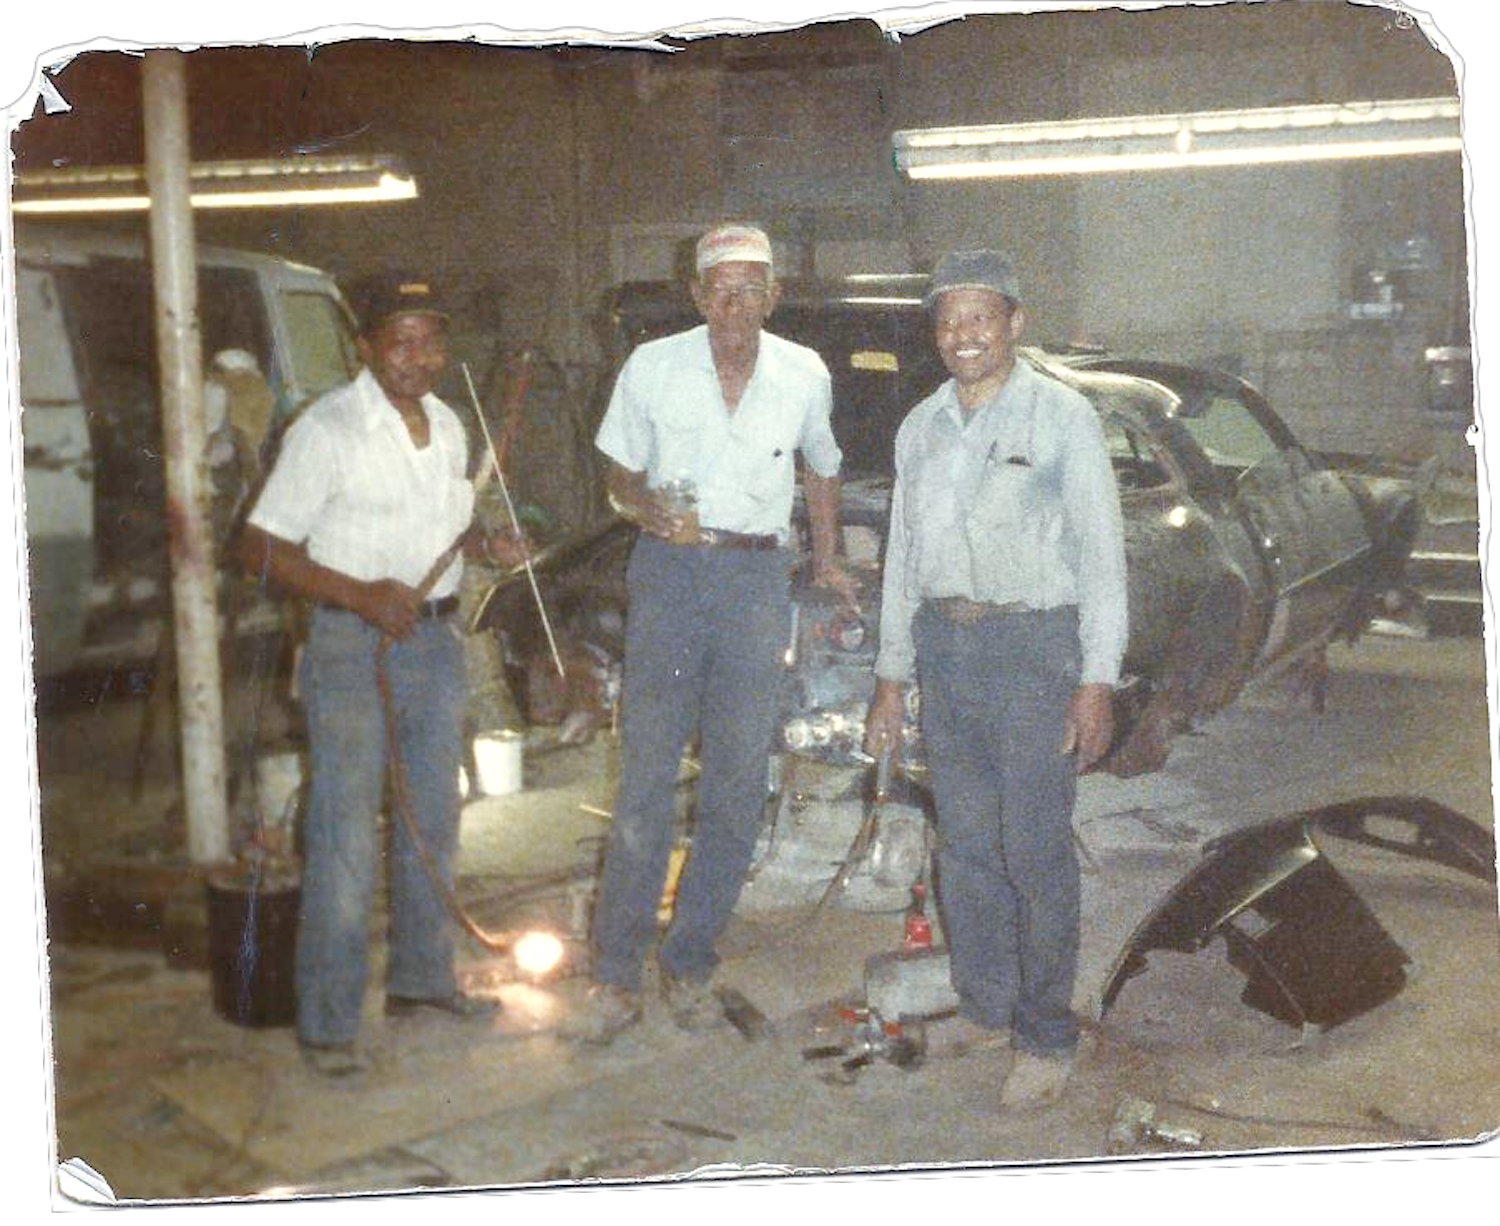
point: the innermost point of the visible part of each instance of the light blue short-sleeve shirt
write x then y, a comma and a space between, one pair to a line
667, 418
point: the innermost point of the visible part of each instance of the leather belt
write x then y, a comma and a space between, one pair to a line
722, 538
431, 608
966, 612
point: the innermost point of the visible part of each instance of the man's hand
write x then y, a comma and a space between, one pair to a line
507, 547
390, 606
646, 508
886, 717
1090, 725
830, 573
658, 517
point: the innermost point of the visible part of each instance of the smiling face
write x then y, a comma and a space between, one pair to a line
976, 332
735, 299
407, 354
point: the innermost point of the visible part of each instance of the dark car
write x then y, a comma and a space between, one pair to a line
1245, 550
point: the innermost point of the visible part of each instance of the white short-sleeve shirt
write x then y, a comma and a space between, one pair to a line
667, 418
350, 485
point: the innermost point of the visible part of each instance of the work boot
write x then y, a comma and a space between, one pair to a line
957, 1035
693, 1006
603, 1013
1035, 1081
336, 1061
455, 1004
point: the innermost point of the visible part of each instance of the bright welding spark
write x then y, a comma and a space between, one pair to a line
538, 953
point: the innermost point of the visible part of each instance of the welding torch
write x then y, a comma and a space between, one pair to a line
492, 467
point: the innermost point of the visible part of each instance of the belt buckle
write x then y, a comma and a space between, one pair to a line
968, 612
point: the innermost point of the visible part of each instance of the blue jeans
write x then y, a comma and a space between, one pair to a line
347, 750
706, 635
995, 698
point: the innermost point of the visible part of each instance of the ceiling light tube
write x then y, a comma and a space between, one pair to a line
218, 185
1264, 136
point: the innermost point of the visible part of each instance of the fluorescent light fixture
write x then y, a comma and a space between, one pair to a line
877, 300
218, 185
862, 278
1262, 136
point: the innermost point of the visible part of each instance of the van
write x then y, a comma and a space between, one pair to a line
91, 421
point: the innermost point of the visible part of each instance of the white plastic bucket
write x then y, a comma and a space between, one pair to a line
278, 783
497, 759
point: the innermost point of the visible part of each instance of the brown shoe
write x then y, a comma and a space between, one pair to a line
1035, 1081
604, 1012
693, 1006
957, 1035
456, 1004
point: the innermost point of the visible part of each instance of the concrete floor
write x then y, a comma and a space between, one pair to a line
166, 1100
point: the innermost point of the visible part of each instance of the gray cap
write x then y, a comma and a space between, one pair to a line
982, 269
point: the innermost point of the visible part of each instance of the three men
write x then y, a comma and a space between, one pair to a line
369, 491
717, 412
1004, 595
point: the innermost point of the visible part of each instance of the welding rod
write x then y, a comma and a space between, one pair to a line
536, 592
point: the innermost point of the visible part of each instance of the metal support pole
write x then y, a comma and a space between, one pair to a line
195, 621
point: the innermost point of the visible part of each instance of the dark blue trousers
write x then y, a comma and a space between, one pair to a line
706, 636
995, 698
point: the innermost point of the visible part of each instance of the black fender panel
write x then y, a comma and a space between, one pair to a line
1412, 826
1313, 952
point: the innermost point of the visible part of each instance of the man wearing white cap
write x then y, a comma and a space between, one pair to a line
1004, 594
700, 434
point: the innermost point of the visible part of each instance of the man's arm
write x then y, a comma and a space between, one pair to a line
1092, 502
893, 665
387, 604
822, 495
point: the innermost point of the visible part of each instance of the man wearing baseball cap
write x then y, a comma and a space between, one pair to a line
700, 435
368, 492
1004, 597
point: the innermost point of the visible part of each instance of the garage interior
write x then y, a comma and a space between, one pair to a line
549, 176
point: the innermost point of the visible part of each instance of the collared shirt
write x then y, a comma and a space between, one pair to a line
667, 418
350, 484
1015, 504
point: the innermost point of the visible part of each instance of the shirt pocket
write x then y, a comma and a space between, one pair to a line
1004, 533
762, 451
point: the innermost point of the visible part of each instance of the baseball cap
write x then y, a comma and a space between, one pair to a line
397, 293
732, 241
980, 269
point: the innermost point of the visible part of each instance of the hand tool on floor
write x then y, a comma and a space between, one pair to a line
865, 835
873, 1038
742, 1015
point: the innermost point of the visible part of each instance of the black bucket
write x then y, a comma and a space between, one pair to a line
252, 941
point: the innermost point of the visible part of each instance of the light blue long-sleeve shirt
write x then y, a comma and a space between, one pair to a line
1017, 503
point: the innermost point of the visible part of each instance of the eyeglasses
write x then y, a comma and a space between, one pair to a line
726, 295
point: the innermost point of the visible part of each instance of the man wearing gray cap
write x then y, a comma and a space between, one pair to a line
1004, 595
700, 435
